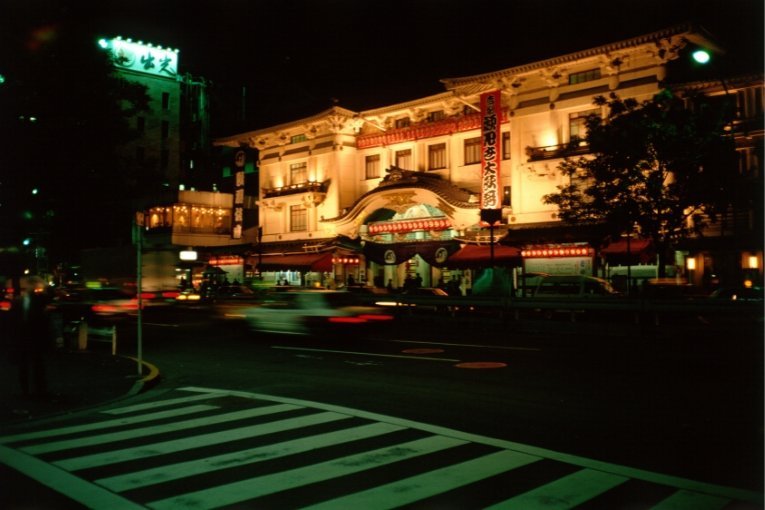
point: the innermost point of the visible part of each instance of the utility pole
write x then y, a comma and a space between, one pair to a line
138, 240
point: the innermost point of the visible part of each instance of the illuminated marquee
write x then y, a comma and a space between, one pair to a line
143, 58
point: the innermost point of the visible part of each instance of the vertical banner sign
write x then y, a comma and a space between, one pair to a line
236, 226
490, 138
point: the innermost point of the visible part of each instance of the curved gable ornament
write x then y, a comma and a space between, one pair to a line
400, 201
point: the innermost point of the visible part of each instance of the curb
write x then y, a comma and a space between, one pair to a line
146, 382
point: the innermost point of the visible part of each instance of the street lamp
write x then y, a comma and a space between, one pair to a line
701, 56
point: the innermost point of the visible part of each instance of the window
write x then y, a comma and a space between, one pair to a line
577, 124
583, 76
402, 123
436, 116
298, 138
298, 173
437, 156
298, 218
372, 165
506, 145
165, 130
473, 150
404, 159
507, 196
165, 101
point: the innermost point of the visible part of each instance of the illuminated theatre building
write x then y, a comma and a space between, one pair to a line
398, 191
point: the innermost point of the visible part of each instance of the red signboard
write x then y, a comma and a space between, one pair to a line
491, 107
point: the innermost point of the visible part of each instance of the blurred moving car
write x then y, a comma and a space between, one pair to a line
750, 294
573, 286
188, 296
417, 298
318, 313
99, 305
233, 292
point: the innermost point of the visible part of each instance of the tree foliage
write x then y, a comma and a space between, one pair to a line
660, 168
64, 124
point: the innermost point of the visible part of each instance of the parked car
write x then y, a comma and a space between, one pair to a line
573, 286
318, 313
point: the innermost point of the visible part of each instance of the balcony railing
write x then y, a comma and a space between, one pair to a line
563, 150
301, 187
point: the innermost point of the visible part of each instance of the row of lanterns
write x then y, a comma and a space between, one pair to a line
345, 260
557, 252
406, 226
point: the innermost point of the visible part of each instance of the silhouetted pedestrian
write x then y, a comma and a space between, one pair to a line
30, 337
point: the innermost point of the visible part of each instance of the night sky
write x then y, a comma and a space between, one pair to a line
295, 58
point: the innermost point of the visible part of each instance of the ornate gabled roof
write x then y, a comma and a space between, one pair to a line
238, 139
399, 178
414, 103
689, 31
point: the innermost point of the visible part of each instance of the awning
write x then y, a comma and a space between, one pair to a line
319, 262
640, 249
473, 255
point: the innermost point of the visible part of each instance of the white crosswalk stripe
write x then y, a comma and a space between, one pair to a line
155, 455
241, 458
113, 437
187, 443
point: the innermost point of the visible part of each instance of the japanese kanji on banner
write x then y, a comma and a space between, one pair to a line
490, 177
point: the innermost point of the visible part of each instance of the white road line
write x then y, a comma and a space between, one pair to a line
180, 470
190, 442
244, 490
161, 403
364, 354
684, 500
450, 344
564, 493
62, 431
66, 444
77, 489
408, 490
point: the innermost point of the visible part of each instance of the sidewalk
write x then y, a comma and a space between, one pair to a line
75, 380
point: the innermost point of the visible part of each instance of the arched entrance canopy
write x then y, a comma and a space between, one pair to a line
402, 190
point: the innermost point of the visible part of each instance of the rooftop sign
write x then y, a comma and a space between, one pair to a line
142, 58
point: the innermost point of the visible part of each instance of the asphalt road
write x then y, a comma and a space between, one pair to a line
519, 413
684, 399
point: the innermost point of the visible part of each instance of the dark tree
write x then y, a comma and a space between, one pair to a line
660, 168
64, 121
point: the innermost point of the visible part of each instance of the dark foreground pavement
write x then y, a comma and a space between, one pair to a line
76, 379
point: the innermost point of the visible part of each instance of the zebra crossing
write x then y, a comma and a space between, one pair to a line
208, 448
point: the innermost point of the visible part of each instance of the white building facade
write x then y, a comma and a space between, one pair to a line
394, 193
